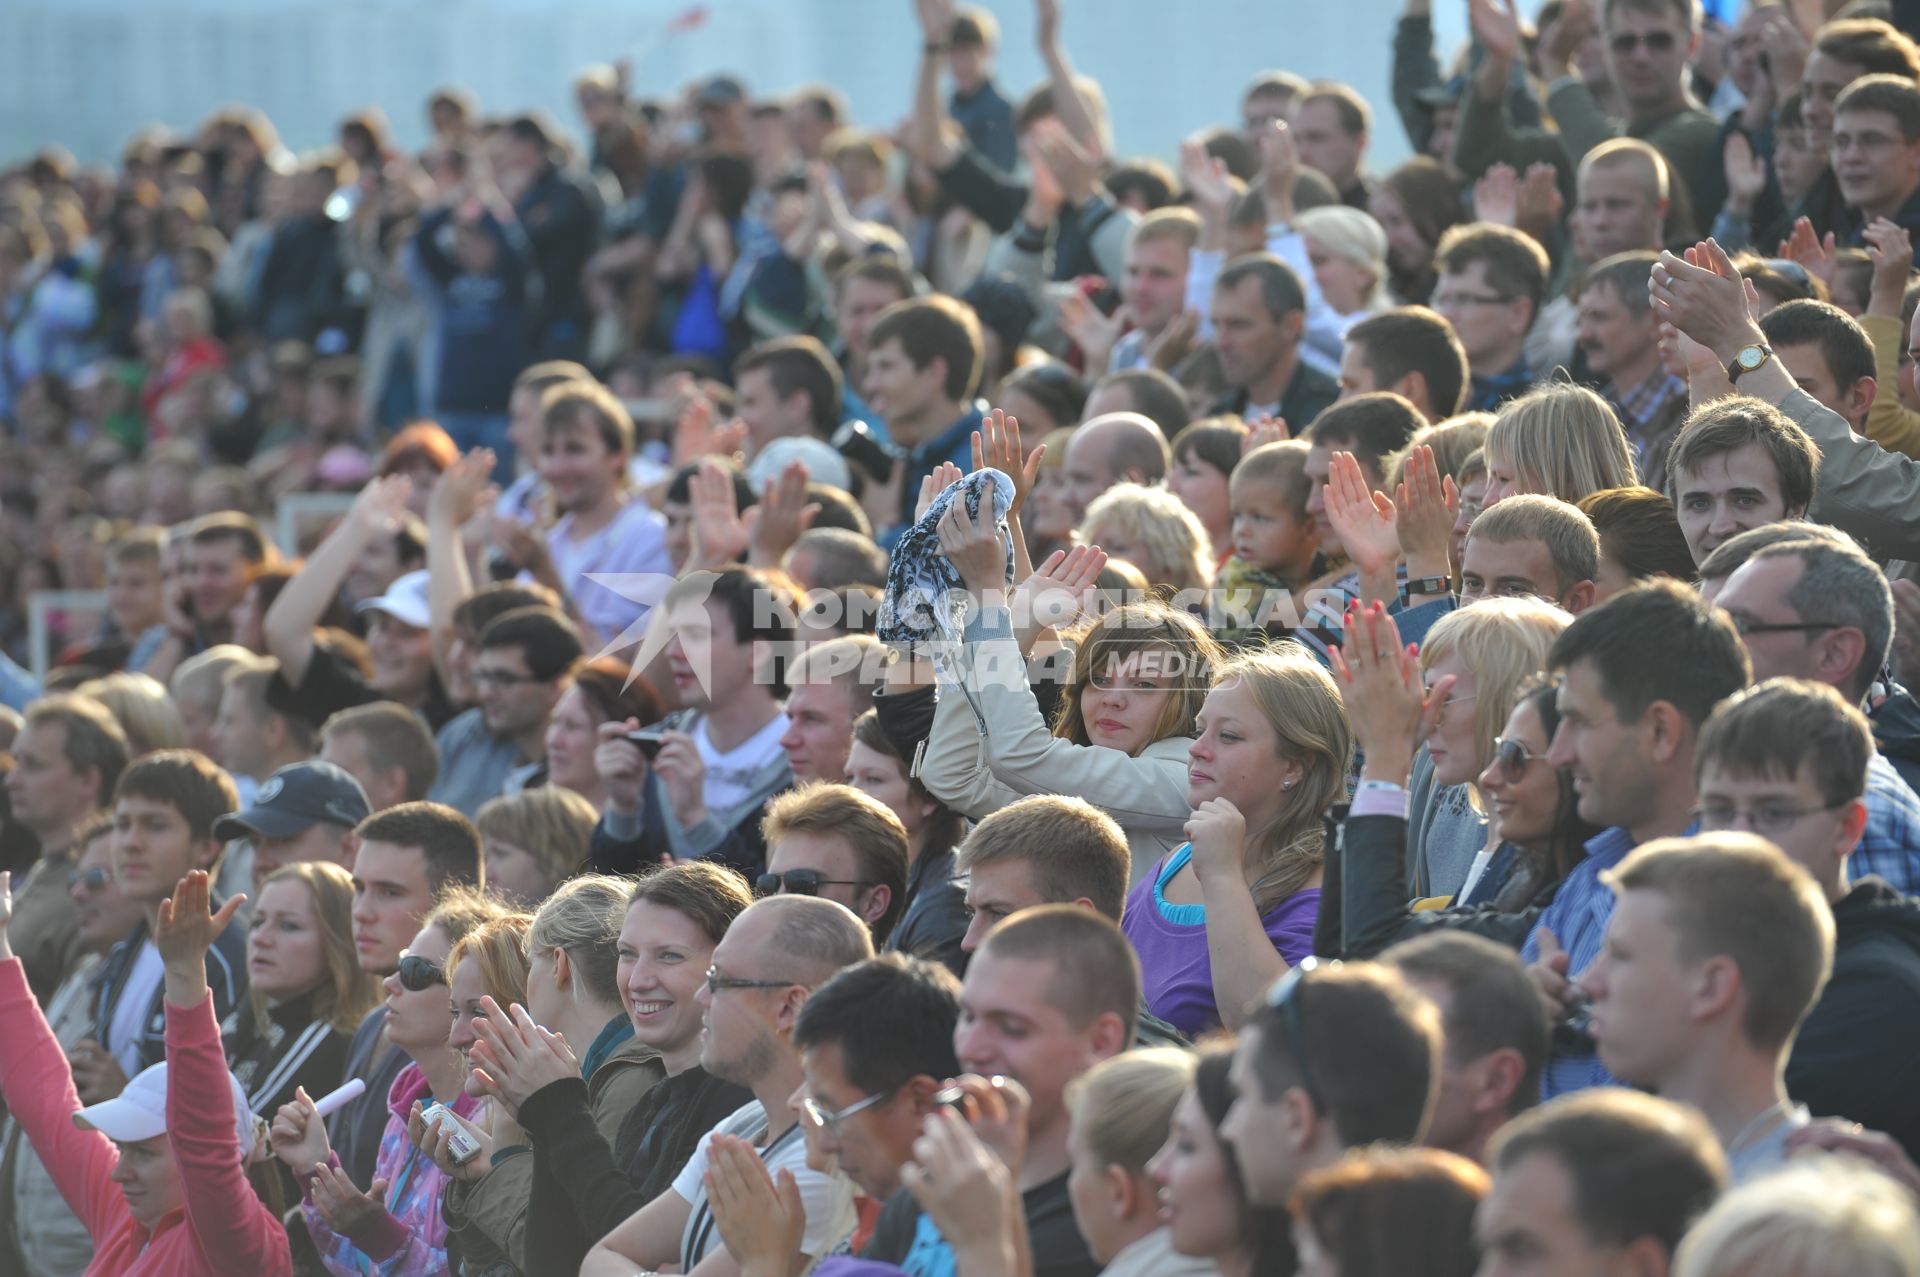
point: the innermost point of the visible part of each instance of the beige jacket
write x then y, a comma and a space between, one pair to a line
989, 747
1861, 488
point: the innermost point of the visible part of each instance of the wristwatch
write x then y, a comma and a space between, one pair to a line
1748, 359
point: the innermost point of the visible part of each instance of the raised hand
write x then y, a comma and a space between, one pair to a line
1077, 172
975, 548
346, 1209
1059, 590
1262, 431
1379, 679
1746, 173
761, 1220
1000, 450
1804, 245
1703, 296
996, 1110
1425, 507
1045, 194
970, 1195
1540, 202
1496, 29
936, 19
382, 504
457, 494
1279, 168
719, 534
1891, 249
782, 515
516, 1057
436, 1142
1205, 177
298, 1134
1092, 329
184, 932
944, 476
1364, 519
1496, 196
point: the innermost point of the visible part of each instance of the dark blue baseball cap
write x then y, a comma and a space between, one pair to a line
294, 800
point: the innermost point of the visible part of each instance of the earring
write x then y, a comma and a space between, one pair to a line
1287, 784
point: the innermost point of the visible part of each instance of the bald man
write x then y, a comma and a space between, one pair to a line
1119, 447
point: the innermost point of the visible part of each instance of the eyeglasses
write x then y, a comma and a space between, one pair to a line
1447, 301
496, 679
92, 879
1446, 706
1746, 625
1765, 821
718, 984
802, 882
1655, 41
830, 1119
1513, 757
1284, 997
418, 974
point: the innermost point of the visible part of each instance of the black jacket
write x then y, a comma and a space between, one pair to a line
1363, 897
1855, 1053
1896, 730
582, 1189
934, 919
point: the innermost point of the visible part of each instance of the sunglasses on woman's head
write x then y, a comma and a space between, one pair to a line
1513, 757
418, 974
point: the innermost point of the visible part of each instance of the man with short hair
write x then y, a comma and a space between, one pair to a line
1638, 676
1050, 994
864, 289
1716, 949
831, 684
524, 665
1258, 312
834, 559
386, 748
218, 556
1736, 464
764, 969
1620, 338
1411, 351
1334, 1058
1273, 95
1147, 392
164, 812
1154, 289
408, 855
251, 737
67, 760
306, 811
1494, 1030
1624, 194
1607, 1181
835, 842
923, 366
1120, 447
1789, 760
1875, 151
1531, 545
1823, 611
1493, 282
1828, 353
1332, 126
787, 388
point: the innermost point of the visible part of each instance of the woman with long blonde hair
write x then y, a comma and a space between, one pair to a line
1560, 440
1230, 910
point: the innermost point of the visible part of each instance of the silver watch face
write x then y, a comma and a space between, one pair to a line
1751, 357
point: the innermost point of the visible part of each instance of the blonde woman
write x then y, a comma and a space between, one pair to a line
143, 709
1340, 255
1560, 440
1827, 1217
307, 993
1230, 910
1047, 519
531, 841
1489, 651
1153, 530
1122, 1110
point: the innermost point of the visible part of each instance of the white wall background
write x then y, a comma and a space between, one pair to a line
87, 73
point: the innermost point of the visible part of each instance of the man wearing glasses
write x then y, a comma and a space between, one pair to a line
1823, 611
1788, 760
524, 664
836, 842
764, 969
1493, 281
1875, 151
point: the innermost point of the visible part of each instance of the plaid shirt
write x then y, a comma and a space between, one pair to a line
1650, 411
1890, 846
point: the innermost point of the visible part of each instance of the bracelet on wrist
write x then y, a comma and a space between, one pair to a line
1433, 586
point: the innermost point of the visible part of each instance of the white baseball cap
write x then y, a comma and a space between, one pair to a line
405, 601
140, 1111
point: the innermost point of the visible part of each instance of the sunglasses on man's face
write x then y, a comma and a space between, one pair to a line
418, 974
1626, 42
801, 882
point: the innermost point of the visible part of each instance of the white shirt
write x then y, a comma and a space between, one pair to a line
828, 1198
730, 774
634, 543
130, 1013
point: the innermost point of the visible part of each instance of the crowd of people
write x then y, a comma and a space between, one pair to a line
961, 703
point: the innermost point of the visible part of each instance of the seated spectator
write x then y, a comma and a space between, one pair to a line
1153, 530
1619, 338
933, 916
1610, 1177
1532, 546
831, 684
1885, 108
251, 738
386, 748
835, 842
200, 1186
1120, 738
1560, 440
1198, 1171
532, 841
1828, 353
1416, 204
1153, 288
602, 691
704, 792
834, 559
789, 387
521, 667
1256, 313
303, 812
1492, 284
1371, 428
1341, 1214
1494, 1030
143, 708
585, 1183
1043, 396
1728, 903
764, 969
306, 991
1737, 464
1826, 1217
1640, 539
1145, 392
1205, 453
218, 554
922, 368
1346, 255
1411, 351
1106, 450
1122, 1112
